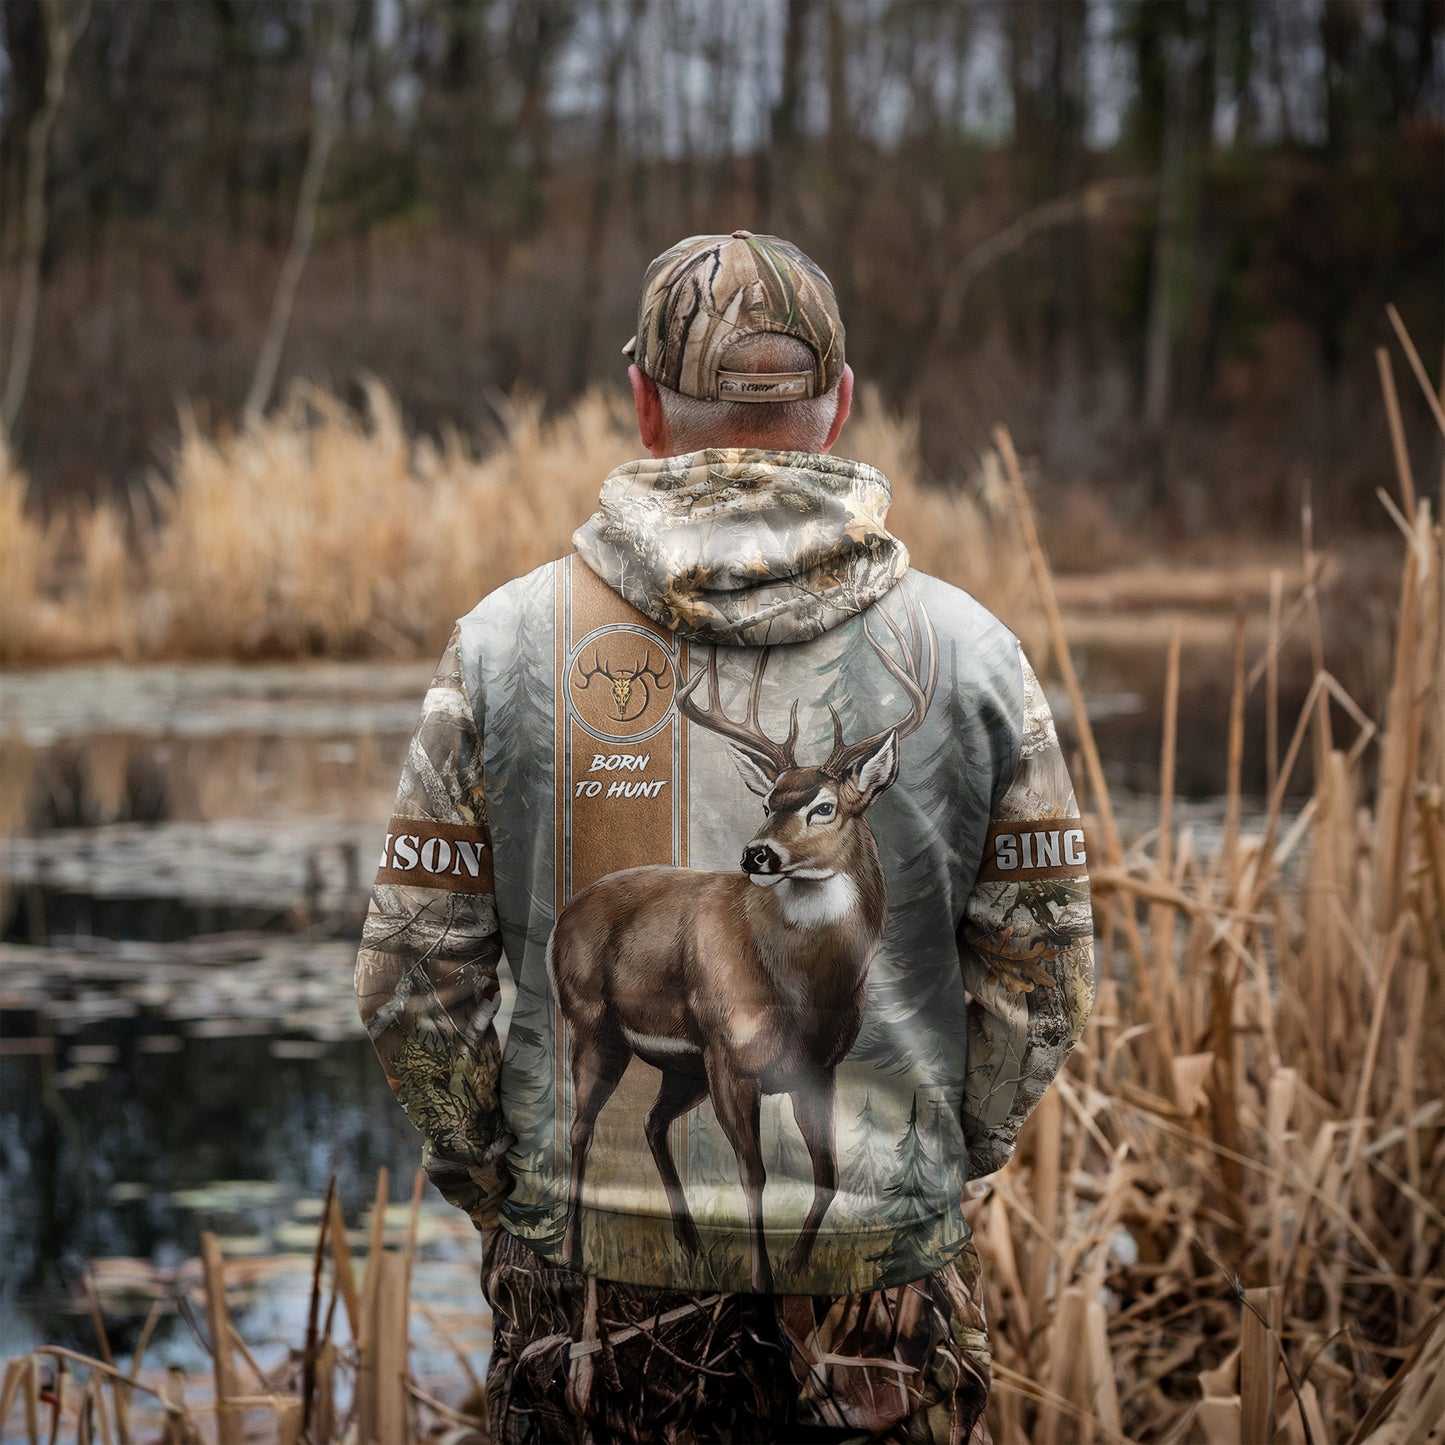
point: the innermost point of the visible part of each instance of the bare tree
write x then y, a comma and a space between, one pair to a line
1091, 203
328, 86
64, 22
618, 45
1159, 329
777, 157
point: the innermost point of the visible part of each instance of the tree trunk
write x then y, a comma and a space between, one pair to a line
63, 26
843, 162
328, 88
605, 164
1159, 327
778, 157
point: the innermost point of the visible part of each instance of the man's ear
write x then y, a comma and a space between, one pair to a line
845, 405
651, 424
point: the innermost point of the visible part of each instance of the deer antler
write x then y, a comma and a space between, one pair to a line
597, 671
748, 735
918, 676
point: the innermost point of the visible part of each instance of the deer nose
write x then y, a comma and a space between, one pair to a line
761, 858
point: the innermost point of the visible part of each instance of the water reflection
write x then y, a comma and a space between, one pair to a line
112, 1150
180, 893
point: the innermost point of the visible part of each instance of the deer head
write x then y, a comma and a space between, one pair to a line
813, 812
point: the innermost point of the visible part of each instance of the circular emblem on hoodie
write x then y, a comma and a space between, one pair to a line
620, 683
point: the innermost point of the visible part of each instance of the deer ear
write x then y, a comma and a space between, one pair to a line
875, 771
755, 775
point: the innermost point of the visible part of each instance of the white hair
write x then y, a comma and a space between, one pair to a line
796, 426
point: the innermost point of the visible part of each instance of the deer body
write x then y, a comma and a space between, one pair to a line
730, 969
737, 985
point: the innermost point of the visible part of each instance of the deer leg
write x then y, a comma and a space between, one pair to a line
678, 1094
737, 1100
597, 1069
813, 1109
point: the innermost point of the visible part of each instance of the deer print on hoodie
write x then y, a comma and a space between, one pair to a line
774, 838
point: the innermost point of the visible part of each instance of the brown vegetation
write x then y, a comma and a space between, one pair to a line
321, 532
328, 1391
1227, 1227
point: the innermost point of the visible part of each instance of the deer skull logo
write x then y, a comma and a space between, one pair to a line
621, 681
627, 681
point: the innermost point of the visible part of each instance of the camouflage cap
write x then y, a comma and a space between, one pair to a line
709, 291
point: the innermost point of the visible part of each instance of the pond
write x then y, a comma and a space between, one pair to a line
181, 893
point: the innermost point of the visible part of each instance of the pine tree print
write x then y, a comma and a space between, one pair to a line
523, 777
956, 717
845, 681
909, 1205
865, 1168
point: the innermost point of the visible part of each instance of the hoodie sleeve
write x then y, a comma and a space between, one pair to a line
426, 976
1026, 943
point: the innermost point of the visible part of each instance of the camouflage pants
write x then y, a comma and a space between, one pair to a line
581, 1359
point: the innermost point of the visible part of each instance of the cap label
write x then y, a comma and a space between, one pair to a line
764, 386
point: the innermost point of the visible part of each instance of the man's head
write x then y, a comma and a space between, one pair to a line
739, 344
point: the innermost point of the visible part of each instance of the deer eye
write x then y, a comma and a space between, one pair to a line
823, 810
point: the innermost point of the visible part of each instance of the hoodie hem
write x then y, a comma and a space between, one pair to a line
641, 1250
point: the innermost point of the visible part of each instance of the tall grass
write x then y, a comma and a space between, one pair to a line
348, 1380
1227, 1223
323, 530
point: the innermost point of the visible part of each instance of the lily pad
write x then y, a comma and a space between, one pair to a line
227, 1194
126, 1191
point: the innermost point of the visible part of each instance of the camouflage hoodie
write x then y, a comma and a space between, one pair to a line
774, 838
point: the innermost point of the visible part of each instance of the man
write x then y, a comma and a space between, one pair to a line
776, 839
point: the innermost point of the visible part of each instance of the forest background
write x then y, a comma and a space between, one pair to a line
1153, 237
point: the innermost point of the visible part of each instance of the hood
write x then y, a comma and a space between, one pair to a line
742, 546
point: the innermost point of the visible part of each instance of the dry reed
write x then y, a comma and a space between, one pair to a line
346, 1383
1227, 1224
320, 530
27, 565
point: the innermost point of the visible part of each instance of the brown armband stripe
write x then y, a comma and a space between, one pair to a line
419, 853
1032, 849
